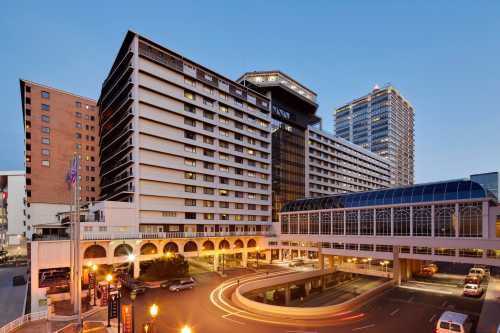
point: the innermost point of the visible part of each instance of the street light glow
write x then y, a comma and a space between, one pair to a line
153, 310
130, 258
186, 329
94, 267
109, 278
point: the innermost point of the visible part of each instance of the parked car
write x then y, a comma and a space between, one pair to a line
131, 284
433, 267
473, 279
18, 280
296, 263
473, 290
183, 284
168, 283
453, 322
425, 272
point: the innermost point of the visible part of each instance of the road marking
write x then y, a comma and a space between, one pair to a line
428, 290
444, 304
363, 327
394, 312
411, 299
432, 318
233, 320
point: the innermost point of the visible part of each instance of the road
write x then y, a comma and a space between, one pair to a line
11, 298
397, 310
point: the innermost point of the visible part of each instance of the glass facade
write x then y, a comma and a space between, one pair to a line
489, 181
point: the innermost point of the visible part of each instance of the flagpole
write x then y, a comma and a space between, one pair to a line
73, 236
77, 244
72, 270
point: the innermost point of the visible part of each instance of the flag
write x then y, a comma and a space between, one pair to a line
73, 172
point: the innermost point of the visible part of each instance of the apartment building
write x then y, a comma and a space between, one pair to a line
189, 148
12, 218
383, 122
57, 125
293, 109
336, 165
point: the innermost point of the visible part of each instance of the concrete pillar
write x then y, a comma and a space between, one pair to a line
280, 255
244, 259
216, 261
331, 263
396, 265
456, 225
321, 259
308, 287
288, 295
268, 259
433, 221
411, 220
137, 268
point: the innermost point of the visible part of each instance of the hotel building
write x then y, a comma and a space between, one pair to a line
57, 125
383, 122
12, 212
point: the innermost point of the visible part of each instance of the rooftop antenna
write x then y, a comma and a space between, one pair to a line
375, 87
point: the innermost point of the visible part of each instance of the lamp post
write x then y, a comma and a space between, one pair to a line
369, 263
133, 295
153, 312
258, 248
109, 278
94, 270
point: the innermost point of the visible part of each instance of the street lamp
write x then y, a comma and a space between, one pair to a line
133, 295
168, 254
153, 312
186, 329
258, 248
109, 278
94, 270
369, 263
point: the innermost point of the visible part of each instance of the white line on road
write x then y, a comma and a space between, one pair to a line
394, 312
429, 290
233, 320
432, 318
363, 327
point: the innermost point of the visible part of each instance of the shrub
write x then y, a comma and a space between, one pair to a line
166, 268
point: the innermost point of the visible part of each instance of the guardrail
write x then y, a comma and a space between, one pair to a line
170, 235
15, 324
319, 312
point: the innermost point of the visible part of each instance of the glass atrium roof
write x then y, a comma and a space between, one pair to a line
440, 191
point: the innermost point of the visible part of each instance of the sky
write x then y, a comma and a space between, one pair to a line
443, 56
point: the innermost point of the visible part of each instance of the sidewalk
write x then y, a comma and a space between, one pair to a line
490, 314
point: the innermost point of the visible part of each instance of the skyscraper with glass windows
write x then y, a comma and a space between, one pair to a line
382, 121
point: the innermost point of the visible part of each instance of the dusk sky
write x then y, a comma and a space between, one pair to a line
443, 56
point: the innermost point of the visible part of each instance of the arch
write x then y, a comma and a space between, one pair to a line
123, 250
251, 243
190, 247
238, 244
171, 247
208, 246
94, 251
149, 248
224, 244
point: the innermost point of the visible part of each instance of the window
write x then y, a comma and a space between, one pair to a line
78, 125
223, 108
168, 214
78, 114
45, 130
471, 220
208, 203
45, 118
190, 216
78, 104
383, 222
208, 216
208, 165
189, 108
190, 135
45, 163
191, 149
78, 135
190, 189
224, 180
45, 94
208, 140
46, 141
190, 122
189, 202
224, 193
189, 175
208, 114
402, 221
422, 225
224, 157
223, 120
224, 132
189, 95
224, 168
208, 127
208, 190
224, 144
208, 152
45, 152
189, 162
224, 217
224, 204
45, 107
189, 81
208, 178
352, 222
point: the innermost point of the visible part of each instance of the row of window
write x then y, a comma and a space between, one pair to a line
225, 193
224, 180
211, 166
400, 221
225, 217
224, 204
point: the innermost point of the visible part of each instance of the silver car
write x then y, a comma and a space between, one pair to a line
182, 285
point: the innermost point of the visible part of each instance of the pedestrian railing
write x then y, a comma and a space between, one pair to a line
15, 324
170, 235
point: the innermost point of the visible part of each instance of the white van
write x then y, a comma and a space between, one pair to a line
453, 322
476, 271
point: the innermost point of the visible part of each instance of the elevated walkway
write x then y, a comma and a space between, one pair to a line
490, 313
372, 271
